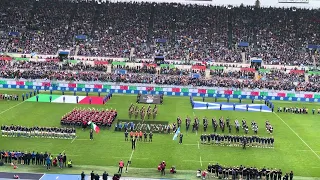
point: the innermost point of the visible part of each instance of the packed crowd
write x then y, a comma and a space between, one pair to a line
39, 132
35, 158
81, 117
279, 75
228, 80
52, 66
116, 29
232, 74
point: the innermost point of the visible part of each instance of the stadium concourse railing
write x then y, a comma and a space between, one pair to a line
126, 88
125, 61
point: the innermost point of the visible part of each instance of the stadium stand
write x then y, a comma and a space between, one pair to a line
177, 31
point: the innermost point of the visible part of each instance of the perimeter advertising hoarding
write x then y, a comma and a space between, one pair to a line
147, 126
149, 99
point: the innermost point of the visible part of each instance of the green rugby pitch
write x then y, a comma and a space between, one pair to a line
297, 142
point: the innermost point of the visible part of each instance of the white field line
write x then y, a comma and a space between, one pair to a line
12, 107
42, 176
190, 144
73, 139
131, 155
298, 136
306, 150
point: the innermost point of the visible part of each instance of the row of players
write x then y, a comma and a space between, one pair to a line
297, 110
9, 97
42, 132
235, 140
224, 124
144, 112
16, 97
242, 172
138, 136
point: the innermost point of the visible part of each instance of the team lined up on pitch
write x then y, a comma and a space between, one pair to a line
223, 124
236, 140
39, 132
144, 112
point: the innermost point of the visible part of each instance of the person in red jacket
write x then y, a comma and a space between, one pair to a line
131, 135
140, 135
163, 168
121, 164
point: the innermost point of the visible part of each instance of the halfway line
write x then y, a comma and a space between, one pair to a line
200, 161
131, 155
198, 145
297, 136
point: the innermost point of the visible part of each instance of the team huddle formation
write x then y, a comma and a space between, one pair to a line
143, 112
39, 132
223, 124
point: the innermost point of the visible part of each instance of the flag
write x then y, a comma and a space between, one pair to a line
176, 134
94, 126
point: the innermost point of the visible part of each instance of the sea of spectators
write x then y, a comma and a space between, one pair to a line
161, 79
51, 66
275, 79
232, 74
35, 158
190, 32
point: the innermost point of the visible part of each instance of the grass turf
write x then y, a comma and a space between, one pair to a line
297, 145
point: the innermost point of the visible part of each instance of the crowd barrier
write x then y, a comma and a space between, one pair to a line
166, 90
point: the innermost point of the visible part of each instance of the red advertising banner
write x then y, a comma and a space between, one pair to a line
98, 86
124, 87
72, 85
281, 94
202, 91
227, 92
20, 83
46, 84
254, 93
297, 72
5, 58
199, 67
149, 88
248, 69
176, 89
308, 95
101, 62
